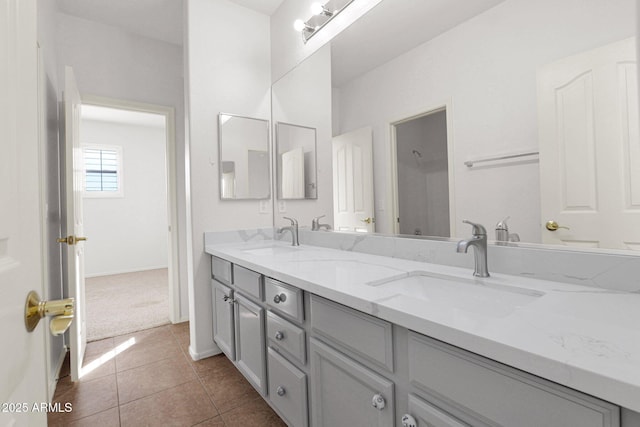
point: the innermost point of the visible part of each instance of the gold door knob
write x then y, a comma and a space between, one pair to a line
60, 310
368, 220
553, 226
71, 240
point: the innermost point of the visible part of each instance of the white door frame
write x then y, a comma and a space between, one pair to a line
393, 159
172, 199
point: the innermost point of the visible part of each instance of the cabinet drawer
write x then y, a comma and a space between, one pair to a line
284, 299
286, 336
427, 415
488, 390
248, 281
288, 390
221, 270
367, 336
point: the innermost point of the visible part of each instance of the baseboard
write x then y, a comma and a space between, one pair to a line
54, 381
135, 270
203, 354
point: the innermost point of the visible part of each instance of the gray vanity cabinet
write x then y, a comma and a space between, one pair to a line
345, 393
250, 342
223, 325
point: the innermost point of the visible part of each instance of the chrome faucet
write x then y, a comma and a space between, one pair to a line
315, 224
479, 242
293, 228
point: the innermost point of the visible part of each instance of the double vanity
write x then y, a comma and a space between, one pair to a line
340, 338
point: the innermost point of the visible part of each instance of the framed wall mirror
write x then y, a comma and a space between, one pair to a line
296, 161
536, 111
244, 159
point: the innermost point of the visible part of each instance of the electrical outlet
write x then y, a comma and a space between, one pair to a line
282, 206
265, 206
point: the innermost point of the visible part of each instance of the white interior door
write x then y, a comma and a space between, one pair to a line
22, 361
75, 248
590, 148
353, 204
293, 174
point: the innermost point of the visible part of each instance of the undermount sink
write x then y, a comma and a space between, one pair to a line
270, 250
480, 296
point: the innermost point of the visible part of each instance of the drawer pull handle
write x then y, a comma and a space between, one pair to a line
279, 335
281, 391
409, 421
378, 402
279, 298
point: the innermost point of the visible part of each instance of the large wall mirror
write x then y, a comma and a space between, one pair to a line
296, 161
494, 109
244, 158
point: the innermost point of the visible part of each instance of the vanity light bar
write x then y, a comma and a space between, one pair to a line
322, 14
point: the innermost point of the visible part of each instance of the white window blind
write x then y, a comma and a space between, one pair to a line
102, 171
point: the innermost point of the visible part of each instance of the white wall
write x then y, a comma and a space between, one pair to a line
228, 63
128, 233
113, 63
486, 68
303, 97
287, 46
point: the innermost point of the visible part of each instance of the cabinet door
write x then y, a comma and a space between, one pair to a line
223, 333
250, 343
343, 392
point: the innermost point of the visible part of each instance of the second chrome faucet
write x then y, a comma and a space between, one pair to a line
293, 228
479, 242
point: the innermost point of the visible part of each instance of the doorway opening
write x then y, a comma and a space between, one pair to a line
422, 175
129, 215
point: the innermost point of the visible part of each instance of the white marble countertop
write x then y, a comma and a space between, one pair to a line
581, 337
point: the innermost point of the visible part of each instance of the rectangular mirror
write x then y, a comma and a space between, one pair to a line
535, 111
296, 161
244, 158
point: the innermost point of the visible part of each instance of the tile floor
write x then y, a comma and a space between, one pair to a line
147, 378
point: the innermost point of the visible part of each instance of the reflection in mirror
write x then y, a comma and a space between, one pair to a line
296, 161
244, 157
517, 78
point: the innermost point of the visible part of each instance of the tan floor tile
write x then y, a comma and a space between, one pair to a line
145, 352
184, 405
161, 333
228, 389
218, 364
87, 397
99, 347
254, 413
98, 365
180, 328
108, 418
152, 378
213, 422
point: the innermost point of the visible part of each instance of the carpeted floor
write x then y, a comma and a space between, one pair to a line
124, 303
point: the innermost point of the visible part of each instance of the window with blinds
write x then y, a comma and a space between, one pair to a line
102, 171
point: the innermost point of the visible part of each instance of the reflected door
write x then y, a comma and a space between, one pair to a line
353, 207
590, 149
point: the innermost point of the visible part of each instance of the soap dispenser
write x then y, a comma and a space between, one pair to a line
502, 231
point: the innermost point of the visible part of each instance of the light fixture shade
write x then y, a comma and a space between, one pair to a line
317, 8
299, 25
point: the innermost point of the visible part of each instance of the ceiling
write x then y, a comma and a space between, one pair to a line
156, 19
394, 27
